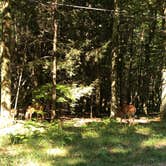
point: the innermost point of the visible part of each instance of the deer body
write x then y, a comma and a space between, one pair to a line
127, 111
30, 110
38, 109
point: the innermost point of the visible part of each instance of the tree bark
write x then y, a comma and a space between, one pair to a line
163, 96
54, 67
114, 102
5, 62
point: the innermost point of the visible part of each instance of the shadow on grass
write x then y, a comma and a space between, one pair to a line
98, 144
116, 144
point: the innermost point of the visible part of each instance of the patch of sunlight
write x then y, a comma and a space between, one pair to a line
156, 143
32, 163
33, 128
80, 91
160, 144
37, 129
15, 150
57, 152
90, 134
118, 150
76, 161
20, 128
144, 131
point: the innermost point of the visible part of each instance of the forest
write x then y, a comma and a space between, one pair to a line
63, 60
82, 58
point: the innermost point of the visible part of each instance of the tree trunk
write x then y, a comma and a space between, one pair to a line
163, 96
5, 62
18, 89
54, 68
114, 102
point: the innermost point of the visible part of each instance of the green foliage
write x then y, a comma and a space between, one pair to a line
71, 62
17, 139
65, 93
81, 91
44, 93
97, 54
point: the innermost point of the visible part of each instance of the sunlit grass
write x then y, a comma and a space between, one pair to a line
154, 143
96, 143
57, 152
90, 134
117, 149
144, 130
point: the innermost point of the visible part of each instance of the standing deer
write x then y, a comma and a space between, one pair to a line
127, 111
36, 108
30, 110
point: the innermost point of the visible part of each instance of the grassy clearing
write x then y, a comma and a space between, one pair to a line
102, 143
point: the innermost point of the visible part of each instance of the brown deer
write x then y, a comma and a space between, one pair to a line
127, 111
30, 110
36, 108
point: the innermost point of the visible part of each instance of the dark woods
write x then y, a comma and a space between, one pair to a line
104, 58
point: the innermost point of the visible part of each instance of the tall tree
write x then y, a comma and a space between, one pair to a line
5, 60
54, 62
114, 55
163, 95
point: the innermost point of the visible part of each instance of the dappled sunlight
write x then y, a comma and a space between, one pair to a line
119, 149
76, 161
144, 131
92, 143
13, 129
39, 129
78, 122
31, 162
142, 120
154, 143
22, 155
80, 91
13, 150
90, 134
57, 152
21, 128
160, 144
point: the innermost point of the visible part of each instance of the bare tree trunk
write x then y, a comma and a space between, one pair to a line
5, 62
54, 68
163, 96
18, 89
114, 102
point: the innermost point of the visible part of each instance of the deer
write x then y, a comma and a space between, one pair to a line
127, 111
36, 108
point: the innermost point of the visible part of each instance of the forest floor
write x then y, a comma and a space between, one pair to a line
84, 142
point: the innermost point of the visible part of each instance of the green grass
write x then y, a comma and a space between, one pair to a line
102, 143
